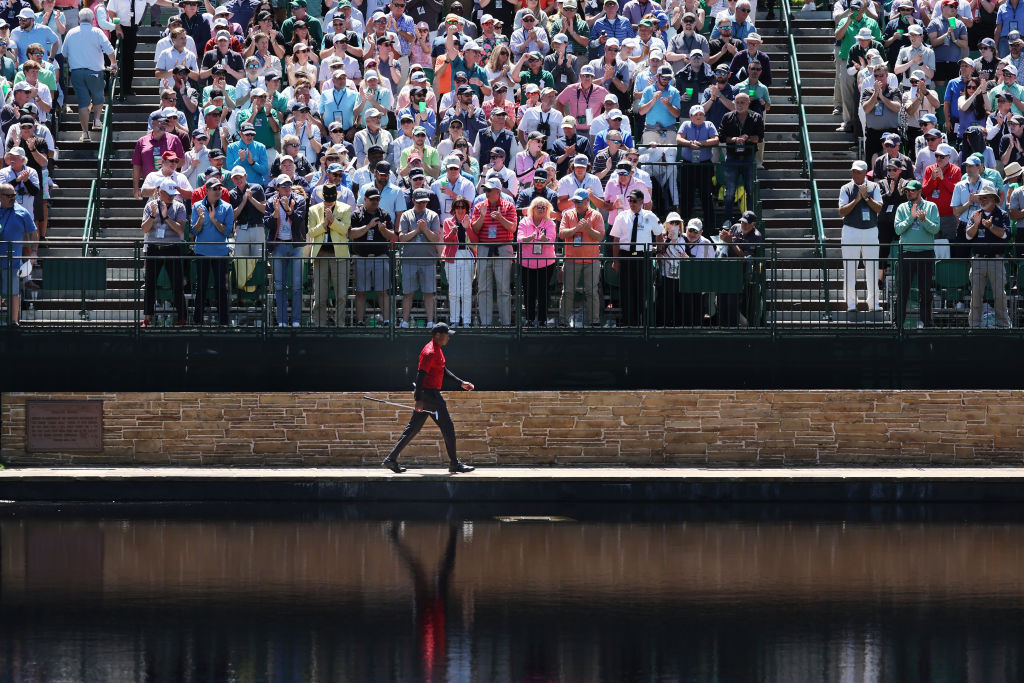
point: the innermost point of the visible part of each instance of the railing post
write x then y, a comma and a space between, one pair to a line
901, 301
774, 292
268, 289
392, 291
646, 295
520, 298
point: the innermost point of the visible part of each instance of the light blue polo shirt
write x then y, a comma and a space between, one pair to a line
84, 47
392, 199
658, 114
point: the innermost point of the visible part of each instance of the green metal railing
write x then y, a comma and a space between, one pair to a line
805, 138
91, 226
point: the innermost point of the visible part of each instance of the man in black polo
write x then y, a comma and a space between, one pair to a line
988, 231
249, 204
741, 130
538, 188
369, 235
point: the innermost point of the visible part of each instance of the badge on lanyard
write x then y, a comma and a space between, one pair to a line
935, 194
865, 215
492, 233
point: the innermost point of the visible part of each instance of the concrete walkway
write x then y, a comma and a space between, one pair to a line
492, 484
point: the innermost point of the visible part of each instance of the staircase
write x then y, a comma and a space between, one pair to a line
74, 168
832, 152
784, 191
120, 212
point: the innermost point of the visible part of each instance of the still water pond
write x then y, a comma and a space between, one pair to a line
328, 595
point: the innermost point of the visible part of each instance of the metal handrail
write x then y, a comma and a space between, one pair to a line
90, 228
805, 140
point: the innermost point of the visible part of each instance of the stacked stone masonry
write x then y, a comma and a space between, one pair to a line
689, 428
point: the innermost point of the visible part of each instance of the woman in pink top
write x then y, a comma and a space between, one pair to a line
536, 236
459, 259
100, 18
530, 159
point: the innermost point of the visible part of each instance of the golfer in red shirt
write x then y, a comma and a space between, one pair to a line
428, 397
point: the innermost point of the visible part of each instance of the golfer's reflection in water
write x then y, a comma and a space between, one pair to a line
431, 598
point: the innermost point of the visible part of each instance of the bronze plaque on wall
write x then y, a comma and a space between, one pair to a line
63, 426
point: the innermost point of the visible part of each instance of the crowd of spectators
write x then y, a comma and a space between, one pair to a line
471, 141
931, 89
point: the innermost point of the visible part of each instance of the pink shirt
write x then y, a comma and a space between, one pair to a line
147, 149
545, 250
578, 101
614, 190
525, 166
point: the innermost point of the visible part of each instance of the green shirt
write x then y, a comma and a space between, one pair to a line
582, 29
850, 37
459, 64
760, 91
430, 156
316, 31
261, 122
544, 79
1017, 90
993, 176
915, 234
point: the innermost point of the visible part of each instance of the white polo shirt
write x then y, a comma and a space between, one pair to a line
648, 227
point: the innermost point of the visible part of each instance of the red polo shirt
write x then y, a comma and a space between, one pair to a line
432, 363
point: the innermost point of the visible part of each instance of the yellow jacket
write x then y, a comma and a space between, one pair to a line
339, 229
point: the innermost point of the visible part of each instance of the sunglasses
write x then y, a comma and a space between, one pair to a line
528, 20
694, 230
7, 194
611, 49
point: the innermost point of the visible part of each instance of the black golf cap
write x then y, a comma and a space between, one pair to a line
440, 328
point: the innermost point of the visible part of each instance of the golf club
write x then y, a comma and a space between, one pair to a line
400, 405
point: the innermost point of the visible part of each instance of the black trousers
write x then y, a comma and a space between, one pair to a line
158, 257
697, 178
129, 46
535, 292
432, 400
922, 265
670, 302
631, 288
886, 236
217, 268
